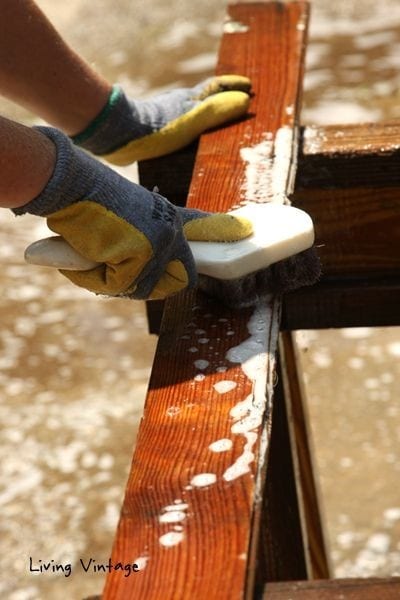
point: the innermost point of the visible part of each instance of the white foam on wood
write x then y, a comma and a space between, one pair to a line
268, 167
222, 445
172, 538
224, 386
203, 479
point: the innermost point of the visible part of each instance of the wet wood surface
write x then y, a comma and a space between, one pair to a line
191, 514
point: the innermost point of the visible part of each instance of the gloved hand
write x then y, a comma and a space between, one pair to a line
139, 237
126, 131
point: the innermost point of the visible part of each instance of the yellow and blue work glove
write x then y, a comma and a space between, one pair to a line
138, 236
126, 131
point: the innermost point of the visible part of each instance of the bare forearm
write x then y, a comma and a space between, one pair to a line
39, 71
27, 161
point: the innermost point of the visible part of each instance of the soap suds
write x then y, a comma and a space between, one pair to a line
258, 170
203, 479
241, 466
172, 538
225, 386
268, 172
141, 562
253, 354
177, 505
173, 516
222, 445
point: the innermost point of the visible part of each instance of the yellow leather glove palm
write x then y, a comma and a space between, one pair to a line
139, 237
128, 131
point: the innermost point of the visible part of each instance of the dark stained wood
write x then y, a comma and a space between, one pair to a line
184, 413
348, 156
372, 302
171, 174
292, 544
303, 459
282, 554
336, 589
357, 229
348, 179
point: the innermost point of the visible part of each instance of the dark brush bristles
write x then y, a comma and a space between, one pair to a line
297, 271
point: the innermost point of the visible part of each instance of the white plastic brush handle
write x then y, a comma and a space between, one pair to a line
279, 231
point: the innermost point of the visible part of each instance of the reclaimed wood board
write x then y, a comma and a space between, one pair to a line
191, 512
335, 589
348, 180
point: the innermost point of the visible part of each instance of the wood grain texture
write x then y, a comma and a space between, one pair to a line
361, 139
337, 589
348, 179
357, 230
185, 408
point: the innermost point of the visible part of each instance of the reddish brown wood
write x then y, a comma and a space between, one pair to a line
361, 139
336, 589
183, 415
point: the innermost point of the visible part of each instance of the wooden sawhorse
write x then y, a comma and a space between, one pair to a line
221, 502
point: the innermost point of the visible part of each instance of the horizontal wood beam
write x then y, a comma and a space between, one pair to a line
348, 180
335, 589
357, 229
340, 303
366, 139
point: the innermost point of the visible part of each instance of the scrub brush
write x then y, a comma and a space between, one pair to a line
278, 256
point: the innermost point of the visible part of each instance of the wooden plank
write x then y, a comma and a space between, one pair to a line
336, 589
292, 544
348, 179
357, 229
372, 302
282, 554
162, 173
348, 156
303, 459
207, 548
368, 139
